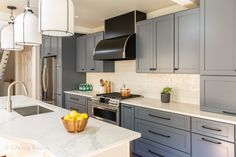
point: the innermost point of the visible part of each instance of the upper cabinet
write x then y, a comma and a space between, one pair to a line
187, 41
218, 37
85, 48
50, 46
169, 44
155, 45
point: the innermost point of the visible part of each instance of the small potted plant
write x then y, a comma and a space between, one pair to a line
165, 95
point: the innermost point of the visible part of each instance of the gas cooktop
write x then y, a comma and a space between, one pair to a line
117, 95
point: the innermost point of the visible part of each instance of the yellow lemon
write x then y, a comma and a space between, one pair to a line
84, 115
79, 118
74, 114
67, 117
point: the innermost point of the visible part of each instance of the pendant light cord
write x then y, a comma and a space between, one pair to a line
12, 17
28, 3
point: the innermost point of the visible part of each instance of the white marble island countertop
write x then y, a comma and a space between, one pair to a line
47, 129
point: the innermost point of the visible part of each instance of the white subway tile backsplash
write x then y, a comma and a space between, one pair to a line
186, 87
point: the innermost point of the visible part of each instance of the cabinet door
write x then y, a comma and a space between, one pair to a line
144, 46
164, 44
76, 107
46, 46
218, 94
89, 107
218, 50
208, 147
54, 45
127, 116
80, 54
187, 41
98, 64
90, 44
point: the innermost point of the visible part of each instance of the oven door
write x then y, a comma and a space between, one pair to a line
106, 113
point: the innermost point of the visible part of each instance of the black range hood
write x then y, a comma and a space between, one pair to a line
119, 42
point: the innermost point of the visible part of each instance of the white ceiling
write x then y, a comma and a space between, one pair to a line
92, 13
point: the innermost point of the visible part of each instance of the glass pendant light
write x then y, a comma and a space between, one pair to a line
8, 35
56, 17
26, 28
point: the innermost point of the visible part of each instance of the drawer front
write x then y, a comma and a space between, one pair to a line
174, 138
76, 107
218, 94
203, 146
76, 99
165, 118
213, 129
146, 148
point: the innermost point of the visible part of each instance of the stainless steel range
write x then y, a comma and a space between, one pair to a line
106, 107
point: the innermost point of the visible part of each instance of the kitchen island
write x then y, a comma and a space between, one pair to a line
99, 139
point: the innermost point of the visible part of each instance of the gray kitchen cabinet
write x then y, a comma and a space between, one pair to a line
217, 94
174, 138
203, 146
127, 116
213, 129
46, 46
164, 44
187, 42
76, 107
89, 107
76, 102
147, 148
85, 48
49, 46
164, 118
80, 54
155, 45
90, 45
145, 46
218, 51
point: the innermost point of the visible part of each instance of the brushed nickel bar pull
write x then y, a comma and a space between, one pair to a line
210, 141
159, 117
166, 136
210, 128
150, 151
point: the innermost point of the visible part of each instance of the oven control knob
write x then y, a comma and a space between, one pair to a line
113, 102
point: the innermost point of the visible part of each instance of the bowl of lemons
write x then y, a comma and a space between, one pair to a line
75, 122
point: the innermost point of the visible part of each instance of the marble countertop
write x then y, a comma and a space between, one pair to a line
47, 129
178, 108
88, 94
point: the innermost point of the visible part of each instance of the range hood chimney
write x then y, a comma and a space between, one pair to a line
119, 42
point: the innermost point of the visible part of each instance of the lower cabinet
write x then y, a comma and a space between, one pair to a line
147, 148
203, 146
89, 107
127, 116
76, 107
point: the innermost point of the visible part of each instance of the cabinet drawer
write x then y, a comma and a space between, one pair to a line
79, 108
218, 94
213, 129
146, 148
76, 99
165, 118
174, 138
203, 146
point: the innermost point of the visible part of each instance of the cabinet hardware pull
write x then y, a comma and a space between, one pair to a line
151, 69
226, 112
176, 68
92, 69
210, 128
150, 151
211, 141
159, 117
166, 136
74, 99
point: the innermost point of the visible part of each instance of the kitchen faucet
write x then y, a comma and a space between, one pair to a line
9, 101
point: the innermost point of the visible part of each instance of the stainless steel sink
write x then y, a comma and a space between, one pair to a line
32, 110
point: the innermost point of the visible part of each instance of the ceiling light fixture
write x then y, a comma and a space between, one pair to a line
183, 2
8, 35
56, 17
26, 28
